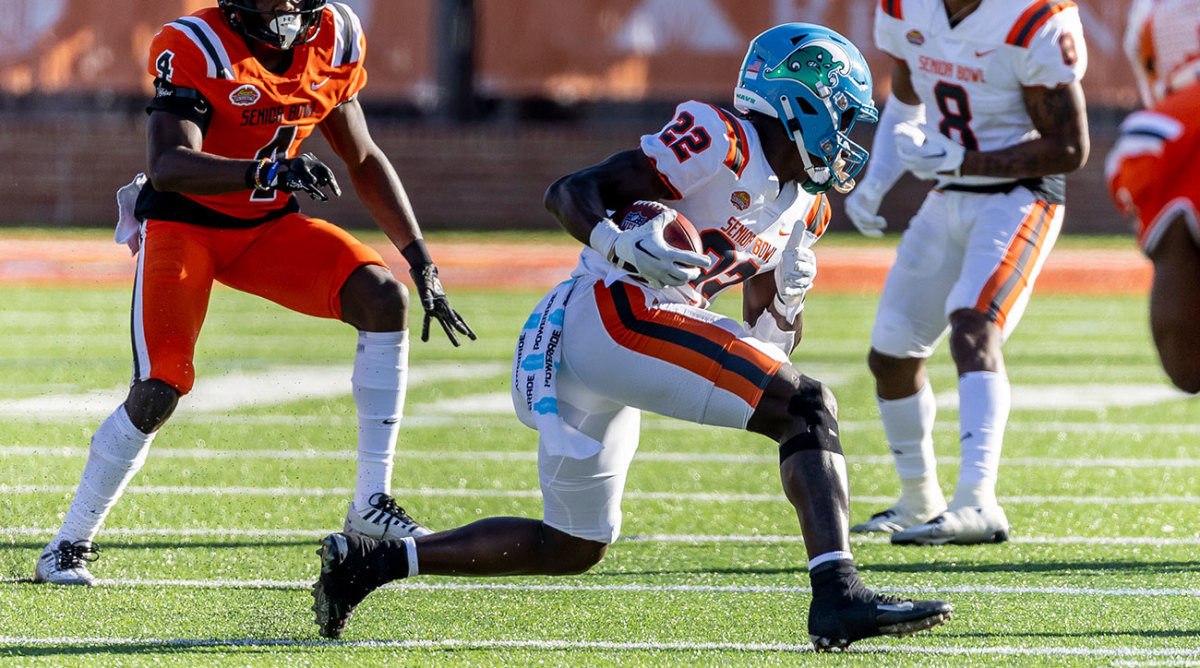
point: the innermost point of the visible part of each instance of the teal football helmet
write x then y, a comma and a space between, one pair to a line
818, 85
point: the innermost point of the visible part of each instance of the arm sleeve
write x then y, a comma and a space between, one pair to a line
699, 141
1056, 55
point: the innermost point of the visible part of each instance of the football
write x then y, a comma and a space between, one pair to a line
679, 233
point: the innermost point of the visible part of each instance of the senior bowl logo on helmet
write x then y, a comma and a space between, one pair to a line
818, 64
244, 96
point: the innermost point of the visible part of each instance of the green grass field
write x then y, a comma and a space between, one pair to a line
209, 557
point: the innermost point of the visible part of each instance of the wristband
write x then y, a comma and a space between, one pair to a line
604, 238
254, 177
416, 254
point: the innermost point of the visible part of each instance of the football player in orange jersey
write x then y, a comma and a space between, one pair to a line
1153, 170
238, 87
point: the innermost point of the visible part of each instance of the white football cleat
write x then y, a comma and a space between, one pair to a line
972, 525
66, 564
383, 520
896, 518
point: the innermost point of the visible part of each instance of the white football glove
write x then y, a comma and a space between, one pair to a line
927, 153
645, 249
794, 275
862, 207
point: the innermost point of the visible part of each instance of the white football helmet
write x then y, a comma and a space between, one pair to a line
1162, 41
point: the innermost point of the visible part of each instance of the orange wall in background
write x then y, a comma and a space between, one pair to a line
559, 49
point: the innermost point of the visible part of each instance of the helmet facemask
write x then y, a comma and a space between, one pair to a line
278, 29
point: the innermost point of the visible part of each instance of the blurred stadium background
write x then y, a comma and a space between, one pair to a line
479, 103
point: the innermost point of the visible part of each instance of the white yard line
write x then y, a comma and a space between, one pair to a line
530, 455
559, 645
532, 493
222, 532
662, 589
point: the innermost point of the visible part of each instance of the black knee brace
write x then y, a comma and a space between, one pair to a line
816, 408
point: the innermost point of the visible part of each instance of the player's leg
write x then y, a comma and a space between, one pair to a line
316, 268
909, 322
581, 498
801, 414
1175, 305
169, 304
1010, 238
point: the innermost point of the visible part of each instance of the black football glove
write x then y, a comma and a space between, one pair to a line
433, 300
307, 173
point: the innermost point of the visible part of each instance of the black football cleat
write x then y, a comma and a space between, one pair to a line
836, 619
350, 569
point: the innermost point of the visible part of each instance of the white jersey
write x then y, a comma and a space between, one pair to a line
713, 164
970, 76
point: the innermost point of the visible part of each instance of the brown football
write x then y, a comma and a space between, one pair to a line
679, 233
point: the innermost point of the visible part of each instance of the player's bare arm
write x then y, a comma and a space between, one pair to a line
375, 180
1175, 304
758, 295
1060, 116
580, 200
175, 161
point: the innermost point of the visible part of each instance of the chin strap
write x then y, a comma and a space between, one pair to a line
818, 175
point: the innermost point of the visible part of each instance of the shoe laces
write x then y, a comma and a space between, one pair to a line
386, 503
75, 555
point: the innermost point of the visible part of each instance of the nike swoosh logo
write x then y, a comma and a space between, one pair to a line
939, 155
891, 607
638, 245
316, 85
980, 54
784, 234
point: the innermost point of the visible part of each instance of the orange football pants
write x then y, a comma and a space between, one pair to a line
295, 261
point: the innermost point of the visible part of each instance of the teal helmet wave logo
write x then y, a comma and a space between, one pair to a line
819, 64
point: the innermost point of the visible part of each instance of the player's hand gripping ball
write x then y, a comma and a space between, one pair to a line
673, 256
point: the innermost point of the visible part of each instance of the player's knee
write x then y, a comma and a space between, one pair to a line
1184, 371
572, 555
374, 300
150, 403
815, 411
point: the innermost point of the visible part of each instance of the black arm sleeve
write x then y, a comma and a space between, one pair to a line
181, 101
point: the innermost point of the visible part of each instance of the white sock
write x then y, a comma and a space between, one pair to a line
837, 555
908, 425
117, 451
410, 547
379, 381
984, 399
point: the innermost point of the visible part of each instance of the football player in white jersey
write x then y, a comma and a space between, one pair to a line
1153, 170
608, 344
986, 101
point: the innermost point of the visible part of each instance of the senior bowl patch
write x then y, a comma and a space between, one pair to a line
740, 199
245, 96
915, 37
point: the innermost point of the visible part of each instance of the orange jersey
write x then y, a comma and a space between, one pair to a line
1154, 167
256, 113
